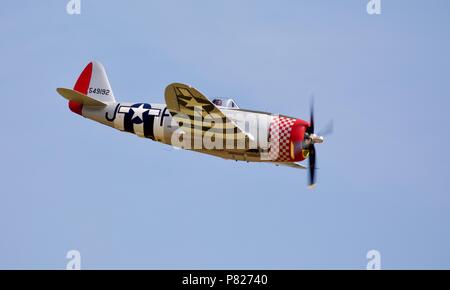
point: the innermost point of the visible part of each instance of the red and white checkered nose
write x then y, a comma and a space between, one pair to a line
283, 131
280, 134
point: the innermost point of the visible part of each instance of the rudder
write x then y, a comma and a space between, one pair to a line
94, 82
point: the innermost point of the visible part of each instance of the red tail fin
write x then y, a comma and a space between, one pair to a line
82, 86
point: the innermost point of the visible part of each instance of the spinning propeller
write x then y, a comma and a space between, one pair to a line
307, 145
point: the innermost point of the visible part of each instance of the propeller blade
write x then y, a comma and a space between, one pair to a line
312, 166
327, 130
310, 129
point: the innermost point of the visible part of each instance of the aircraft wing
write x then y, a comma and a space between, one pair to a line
291, 164
186, 104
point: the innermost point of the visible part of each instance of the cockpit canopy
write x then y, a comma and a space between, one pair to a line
225, 103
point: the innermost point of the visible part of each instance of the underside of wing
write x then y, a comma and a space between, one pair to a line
291, 164
196, 113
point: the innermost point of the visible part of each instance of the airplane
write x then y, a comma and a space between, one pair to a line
189, 120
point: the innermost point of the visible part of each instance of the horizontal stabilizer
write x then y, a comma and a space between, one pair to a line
80, 98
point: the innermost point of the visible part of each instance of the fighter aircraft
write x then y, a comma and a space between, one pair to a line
189, 120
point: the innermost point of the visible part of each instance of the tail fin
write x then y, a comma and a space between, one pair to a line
94, 83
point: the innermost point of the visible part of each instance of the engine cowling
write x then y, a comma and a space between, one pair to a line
297, 136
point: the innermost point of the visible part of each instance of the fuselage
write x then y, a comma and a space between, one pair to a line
273, 135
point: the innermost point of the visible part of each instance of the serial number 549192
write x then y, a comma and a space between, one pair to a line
98, 91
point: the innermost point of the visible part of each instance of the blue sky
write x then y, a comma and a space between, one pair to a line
126, 202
